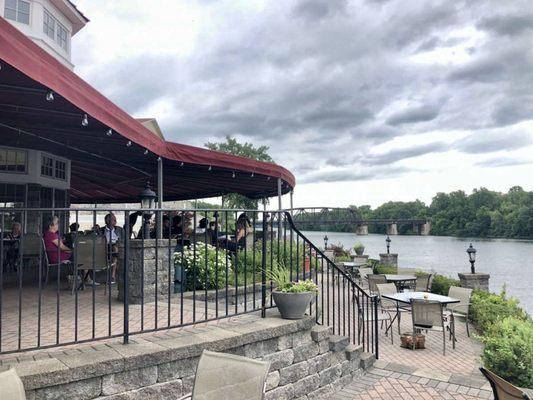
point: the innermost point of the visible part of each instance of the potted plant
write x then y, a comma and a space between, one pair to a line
291, 298
359, 248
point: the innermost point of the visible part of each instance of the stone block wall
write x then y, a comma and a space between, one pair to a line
307, 362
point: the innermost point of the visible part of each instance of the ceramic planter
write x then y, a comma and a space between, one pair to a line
292, 305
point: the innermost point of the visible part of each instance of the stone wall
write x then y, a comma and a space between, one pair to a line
307, 362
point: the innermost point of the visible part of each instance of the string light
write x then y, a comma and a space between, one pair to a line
181, 164
50, 96
268, 178
252, 175
233, 175
129, 143
145, 151
85, 120
109, 132
159, 159
209, 169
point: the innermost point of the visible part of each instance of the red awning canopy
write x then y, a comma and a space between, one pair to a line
108, 168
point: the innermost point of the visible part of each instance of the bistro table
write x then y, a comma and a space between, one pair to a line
353, 267
400, 280
405, 299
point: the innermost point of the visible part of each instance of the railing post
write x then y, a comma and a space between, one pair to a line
263, 266
375, 333
127, 234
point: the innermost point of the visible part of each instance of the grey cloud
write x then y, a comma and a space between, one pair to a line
405, 153
315, 10
503, 162
354, 174
413, 115
511, 111
480, 143
510, 25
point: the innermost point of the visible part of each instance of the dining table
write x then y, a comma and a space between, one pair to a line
404, 298
400, 280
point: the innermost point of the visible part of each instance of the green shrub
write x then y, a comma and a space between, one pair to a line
509, 350
281, 278
342, 258
488, 308
384, 269
441, 284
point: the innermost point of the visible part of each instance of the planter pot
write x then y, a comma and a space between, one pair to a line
407, 341
292, 305
359, 251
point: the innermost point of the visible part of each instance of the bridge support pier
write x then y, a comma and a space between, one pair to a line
361, 229
392, 229
424, 229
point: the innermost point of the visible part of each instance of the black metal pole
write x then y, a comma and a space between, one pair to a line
126, 283
263, 267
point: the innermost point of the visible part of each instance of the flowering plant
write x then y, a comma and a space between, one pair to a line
205, 265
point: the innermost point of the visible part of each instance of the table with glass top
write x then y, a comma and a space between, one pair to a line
405, 298
400, 280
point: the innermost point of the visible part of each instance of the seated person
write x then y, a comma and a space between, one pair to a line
70, 238
202, 225
56, 250
12, 248
176, 227
243, 226
113, 234
212, 232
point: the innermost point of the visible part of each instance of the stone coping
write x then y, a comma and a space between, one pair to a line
81, 363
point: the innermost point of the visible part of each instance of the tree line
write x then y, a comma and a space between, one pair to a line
484, 213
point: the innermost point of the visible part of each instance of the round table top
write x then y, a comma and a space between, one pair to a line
400, 278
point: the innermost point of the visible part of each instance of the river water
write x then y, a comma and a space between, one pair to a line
508, 261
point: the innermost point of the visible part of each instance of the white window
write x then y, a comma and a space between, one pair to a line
62, 36
55, 30
17, 10
12, 160
53, 168
49, 25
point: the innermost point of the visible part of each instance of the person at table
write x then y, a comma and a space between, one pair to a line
70, 238
113, 235
12, 246
243, 226
56, 250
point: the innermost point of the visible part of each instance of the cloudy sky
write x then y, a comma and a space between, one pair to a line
365, 101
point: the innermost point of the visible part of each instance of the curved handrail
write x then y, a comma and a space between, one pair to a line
288, 216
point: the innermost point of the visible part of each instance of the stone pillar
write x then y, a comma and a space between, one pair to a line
359, 260
477, 281
329, 254
135, 270
424, 229
392, 229
361, 229
389, 259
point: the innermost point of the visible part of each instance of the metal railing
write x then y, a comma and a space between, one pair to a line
205, 265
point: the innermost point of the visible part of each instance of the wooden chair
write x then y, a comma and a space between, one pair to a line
502, 389
221, 376
11, 387
429, 316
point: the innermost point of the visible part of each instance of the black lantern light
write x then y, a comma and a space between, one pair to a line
388, 244
471, 257
148, 197
326, 242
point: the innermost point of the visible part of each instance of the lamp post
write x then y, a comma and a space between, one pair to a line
388, 244
326, 242
471, 257
148, 197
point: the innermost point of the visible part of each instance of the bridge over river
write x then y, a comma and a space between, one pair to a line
315, 217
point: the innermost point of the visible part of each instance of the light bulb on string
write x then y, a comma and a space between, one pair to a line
233, 174
85, 120
210, 168
109, 132
50, 96
145, 151
181, 164
129, 143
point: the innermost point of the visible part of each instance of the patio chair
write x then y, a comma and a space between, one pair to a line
423, 283
221, 376
91, 252
463, 307
502, 389
71, 268
367, 317
429, 316
363, 274
11, 387
374, 280
390, 305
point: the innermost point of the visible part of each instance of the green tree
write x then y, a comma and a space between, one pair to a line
232, 146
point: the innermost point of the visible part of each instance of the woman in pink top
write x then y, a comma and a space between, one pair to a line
55, 248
